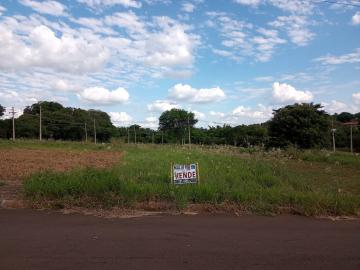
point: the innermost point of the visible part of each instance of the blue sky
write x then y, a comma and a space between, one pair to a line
228, 61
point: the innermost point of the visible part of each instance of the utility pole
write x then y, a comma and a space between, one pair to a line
85, 133
351, 138
13, 123
333, 136
189, 131
135, 134
94, 131
40, 125
128, 131
333, 139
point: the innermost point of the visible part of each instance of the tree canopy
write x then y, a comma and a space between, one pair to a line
61, 123
175, 121
2, 110
303, 125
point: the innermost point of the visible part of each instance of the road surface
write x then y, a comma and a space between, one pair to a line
49, 240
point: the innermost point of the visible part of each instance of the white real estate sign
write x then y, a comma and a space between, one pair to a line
185, 174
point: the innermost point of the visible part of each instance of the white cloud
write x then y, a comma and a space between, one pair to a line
294, 6
335, 106
17, 99
171, 46
342, 59
2, 10
188, 7
99, 3
217, 114
264, 79
285, 93
47, 7
121, 47
184, 92
241, 40
64, 85
261, 113
253, 3
103, 96
199, 115
355, 20
162, 105
356, 98
296, 27
42, 48
151, 122
120, 118
242, 115
8, 95
127, 20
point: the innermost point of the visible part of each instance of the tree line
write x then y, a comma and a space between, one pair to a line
304, 125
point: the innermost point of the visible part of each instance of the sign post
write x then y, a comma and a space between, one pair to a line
182, 174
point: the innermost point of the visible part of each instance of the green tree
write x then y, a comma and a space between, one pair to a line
303, 125
61, 123
344, 117
2, 110
175, 123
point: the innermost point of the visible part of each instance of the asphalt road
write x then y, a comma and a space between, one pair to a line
48, 240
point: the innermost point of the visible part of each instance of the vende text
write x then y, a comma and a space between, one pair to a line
185, 175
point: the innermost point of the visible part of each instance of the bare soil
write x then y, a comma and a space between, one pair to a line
17, 164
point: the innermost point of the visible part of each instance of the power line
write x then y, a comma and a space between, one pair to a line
338, 3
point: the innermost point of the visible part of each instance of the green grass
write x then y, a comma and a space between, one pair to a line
252, 182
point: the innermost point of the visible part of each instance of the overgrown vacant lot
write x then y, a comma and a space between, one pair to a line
309, 183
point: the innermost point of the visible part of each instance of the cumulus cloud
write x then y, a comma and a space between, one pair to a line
99, 3
199, 115
17, 99
296, 27
118, 47
335, 106
171, 46
349, 58
43, 48
294, 6
151, 122
188, 7
46, 7
2, 10
260, 113
120, 118
103, 96
253, 3
127, 20
285, 93
161, 106
243, 115
355, 20
356, 98
184, 92
217, 114
241, 40
64, 85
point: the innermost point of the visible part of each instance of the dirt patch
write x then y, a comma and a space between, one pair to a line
17, 164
